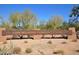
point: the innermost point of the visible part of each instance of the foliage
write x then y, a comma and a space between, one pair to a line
76, 25
14, 19
5, 25
41, 25
29, 19
74, 16
23, 20
65, 25
55, 22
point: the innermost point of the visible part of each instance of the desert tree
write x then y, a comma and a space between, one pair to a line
42, 24
14, 19
74, 16
65, 25
29, 19
1, 20
4, 24
55, 22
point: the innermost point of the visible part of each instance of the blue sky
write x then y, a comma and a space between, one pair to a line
43, 11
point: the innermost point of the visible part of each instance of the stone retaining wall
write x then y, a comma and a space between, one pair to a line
71, 37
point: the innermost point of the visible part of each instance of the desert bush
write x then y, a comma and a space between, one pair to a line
55, 52
59, 52
49, 42
28, 50
17, 50
0, 49
25, 41
8, 38
77, 50
41, 52
63, 42
74, 40
5, 42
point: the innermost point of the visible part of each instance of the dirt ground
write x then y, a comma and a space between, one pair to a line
45, 46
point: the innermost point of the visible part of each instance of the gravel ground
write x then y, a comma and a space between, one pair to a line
45, 46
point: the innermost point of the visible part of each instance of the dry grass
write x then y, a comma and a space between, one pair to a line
28, 50
17, 50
